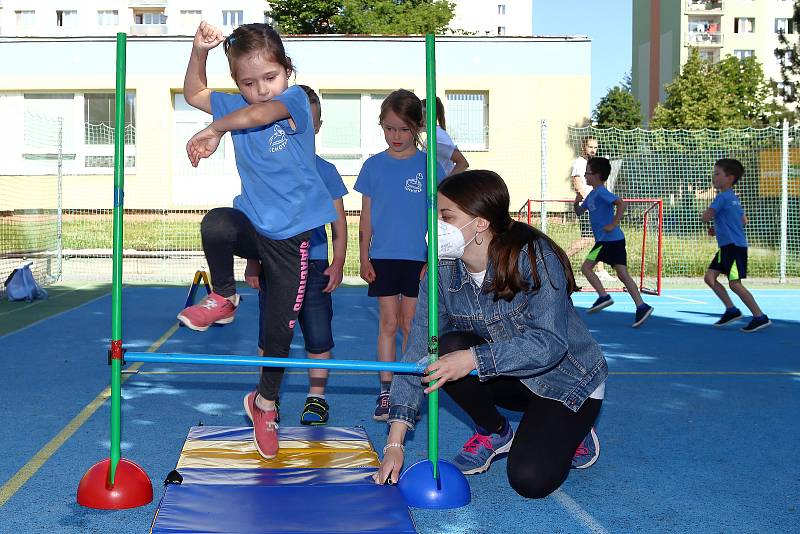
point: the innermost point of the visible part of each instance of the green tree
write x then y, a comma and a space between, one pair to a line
732, 93
403, 17
788, 55
618, 108
305, 16
399, 17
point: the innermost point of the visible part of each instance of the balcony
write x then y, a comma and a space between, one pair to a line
703, 38
149, 29
704, 6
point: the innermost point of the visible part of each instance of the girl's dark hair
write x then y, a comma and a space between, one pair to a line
407, 106
439, 111
257, 37
481, 193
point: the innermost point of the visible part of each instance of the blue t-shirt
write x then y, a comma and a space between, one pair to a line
600, 203
333, 181
282, 192
728, 219
398, 191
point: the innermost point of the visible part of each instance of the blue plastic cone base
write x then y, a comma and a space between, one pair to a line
421, 490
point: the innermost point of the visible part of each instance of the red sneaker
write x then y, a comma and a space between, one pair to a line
265, 429
214, 309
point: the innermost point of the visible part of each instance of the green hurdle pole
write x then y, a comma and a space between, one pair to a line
116, 277
433, 251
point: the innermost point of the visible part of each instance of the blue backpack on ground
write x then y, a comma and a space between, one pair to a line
20, 285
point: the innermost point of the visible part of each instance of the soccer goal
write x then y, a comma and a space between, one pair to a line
641, 223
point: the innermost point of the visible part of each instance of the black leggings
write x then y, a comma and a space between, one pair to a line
227, 232
548, 434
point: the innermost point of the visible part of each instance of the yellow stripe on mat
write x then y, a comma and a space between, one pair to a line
292, 454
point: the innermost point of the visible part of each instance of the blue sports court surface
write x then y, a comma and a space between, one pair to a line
699, 430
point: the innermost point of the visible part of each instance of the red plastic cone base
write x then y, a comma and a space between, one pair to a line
132, 486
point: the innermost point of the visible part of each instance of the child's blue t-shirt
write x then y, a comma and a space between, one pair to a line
728, 219
600, 203
282, 192
333, 182
398, 192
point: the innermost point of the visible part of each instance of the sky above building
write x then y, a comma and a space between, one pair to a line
608, 24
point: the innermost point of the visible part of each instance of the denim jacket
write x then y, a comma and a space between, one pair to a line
536, 337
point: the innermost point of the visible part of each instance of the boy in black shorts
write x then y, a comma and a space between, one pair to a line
731, 259
609, 244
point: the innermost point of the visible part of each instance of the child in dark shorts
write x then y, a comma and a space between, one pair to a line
731, 259
393, 225
609, 244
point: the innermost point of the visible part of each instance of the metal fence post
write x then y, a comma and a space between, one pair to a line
543, 185
784, 199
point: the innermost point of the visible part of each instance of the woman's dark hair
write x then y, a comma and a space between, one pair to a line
439, 111
259, 38
407, 106
481, 193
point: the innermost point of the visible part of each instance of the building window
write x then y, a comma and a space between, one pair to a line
784, 26
66, 19
501, 30
468, 119
232, 18
744, 25
26, 19
742, 54
42, 111
107, 17
501, 9
99, 118
709, 55
149, 17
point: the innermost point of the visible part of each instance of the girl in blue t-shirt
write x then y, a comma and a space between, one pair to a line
282, 199
392, 228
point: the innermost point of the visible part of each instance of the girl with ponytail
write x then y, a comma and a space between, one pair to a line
504, 310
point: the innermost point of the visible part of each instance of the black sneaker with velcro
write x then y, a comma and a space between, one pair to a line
315, 412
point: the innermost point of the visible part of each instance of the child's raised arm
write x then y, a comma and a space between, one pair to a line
195, 84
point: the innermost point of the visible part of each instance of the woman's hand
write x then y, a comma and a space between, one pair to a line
389, 472
207, 37
203, 144
251, 273
452, 366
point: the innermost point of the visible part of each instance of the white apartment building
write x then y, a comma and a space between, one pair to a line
494, 17
664, 31
71, 18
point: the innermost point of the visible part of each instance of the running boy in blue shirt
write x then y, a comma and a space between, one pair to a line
731, 259
609, 244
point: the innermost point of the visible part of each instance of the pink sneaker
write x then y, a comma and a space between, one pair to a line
214, 309
265, 429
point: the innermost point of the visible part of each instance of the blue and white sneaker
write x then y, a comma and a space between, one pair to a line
600, 303
481, 449
587, 452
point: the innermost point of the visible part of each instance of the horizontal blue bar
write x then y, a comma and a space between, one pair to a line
262, 361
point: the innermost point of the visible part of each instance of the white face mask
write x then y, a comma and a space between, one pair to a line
451, 240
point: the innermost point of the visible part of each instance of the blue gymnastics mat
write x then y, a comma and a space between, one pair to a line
233, 493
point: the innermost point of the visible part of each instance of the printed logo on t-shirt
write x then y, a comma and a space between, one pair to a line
414, 185
277, 141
